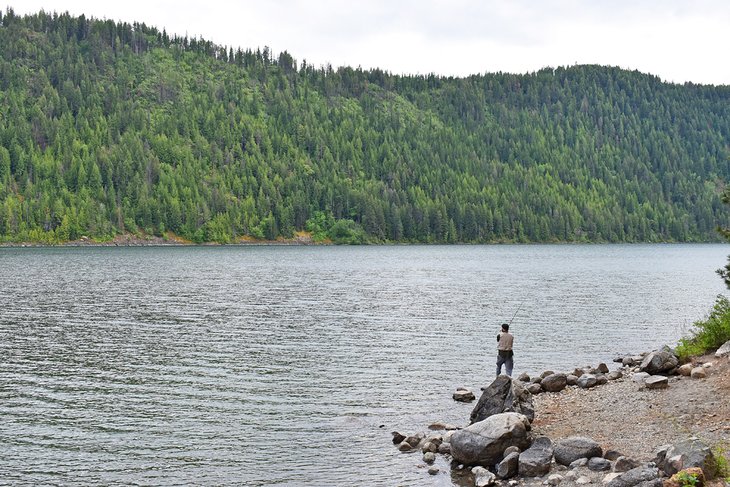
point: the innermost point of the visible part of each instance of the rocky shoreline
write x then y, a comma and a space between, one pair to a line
644, 423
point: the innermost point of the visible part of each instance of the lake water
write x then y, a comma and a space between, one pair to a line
292, 365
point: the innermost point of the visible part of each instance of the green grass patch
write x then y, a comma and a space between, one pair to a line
709, 334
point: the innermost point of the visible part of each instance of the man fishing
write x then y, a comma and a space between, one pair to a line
505, 341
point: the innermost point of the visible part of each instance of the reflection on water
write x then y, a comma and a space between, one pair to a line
291, 365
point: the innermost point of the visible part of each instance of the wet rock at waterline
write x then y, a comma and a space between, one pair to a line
463, 395
484, 442
554, 382
659, 362
503, 395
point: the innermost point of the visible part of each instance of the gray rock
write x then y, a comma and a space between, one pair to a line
685, 454
609, 477
512, 449
546, 373
534, 388
405, 446
575, 447
501, 396
601, 379
536, 380
429, 457
698, 373
640, 377
509, 466
429, 447
571, 380
554, 479
598, 464
635, 476
524, 377
624, 464
414, 440
483, 443
583, 480
581, 462
656, 382
397, 437
535, 461
463, 395
658, 362
554, 382
433, 470
445, 448
483, 477
587, 381
602, 368
611, 455
578, 372
616, 374
724, 350
628, 361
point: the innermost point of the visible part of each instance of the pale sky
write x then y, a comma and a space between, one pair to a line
676, 40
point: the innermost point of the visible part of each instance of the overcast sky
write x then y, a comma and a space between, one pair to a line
678, 40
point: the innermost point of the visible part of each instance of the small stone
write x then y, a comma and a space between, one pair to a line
571, 475
397, 438
433, 470
578, 372
598, 464
509, 466
414, 440
586, 381
601, 379
437, 426
546, 373
429, 457
612, 455
445, 448
656, 382
483, 477
723, 350
583, 480
554, 479
640, 377
571, 380
616, 374
405, 446
698, 373
602, 368
462, 395
581, 462
707, 365
609, 477
685, 370
429, 447
624, 464
628, 361
534, 388
512, 449
524, 377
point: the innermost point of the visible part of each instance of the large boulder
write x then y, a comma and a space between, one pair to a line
535, 461
659, 362
689, 453
724, 350
483, 443
571, 449
502, 396
554, 382
641, 475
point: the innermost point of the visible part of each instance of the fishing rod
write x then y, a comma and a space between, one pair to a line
518, 310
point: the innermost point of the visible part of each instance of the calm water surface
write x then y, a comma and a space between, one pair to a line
291, 365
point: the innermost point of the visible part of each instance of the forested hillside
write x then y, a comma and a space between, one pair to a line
108, 128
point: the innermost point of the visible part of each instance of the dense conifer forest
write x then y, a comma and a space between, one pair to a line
109, 128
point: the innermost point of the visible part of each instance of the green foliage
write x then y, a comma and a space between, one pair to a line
720, 454
708, 334
107, 128
687, 479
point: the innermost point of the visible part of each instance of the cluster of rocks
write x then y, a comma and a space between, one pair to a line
499, 446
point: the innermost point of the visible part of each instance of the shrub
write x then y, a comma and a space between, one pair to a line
709, 334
